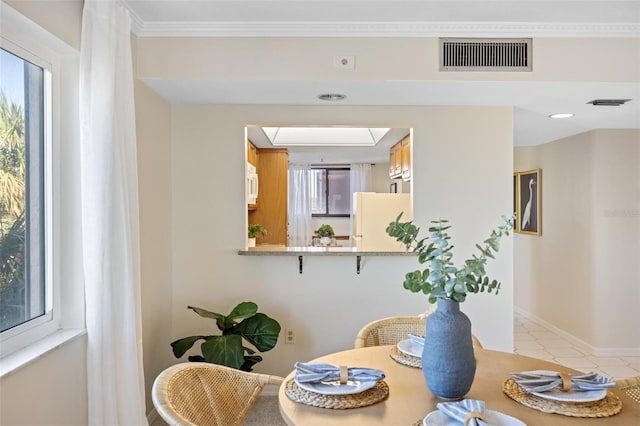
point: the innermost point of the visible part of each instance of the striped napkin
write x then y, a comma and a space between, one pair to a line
544, 381
471, 409
317, 372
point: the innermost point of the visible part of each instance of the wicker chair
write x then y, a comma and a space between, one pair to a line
199, 394
631, 386
389, 331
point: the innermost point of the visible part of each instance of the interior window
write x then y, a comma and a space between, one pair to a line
307, 177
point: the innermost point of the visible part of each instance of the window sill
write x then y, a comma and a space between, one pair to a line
27, 355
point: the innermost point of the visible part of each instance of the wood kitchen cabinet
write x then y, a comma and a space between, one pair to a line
252, 154
273, 172
395, 161
400, 160
406, 158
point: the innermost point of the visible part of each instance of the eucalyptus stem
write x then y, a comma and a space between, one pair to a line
441, 278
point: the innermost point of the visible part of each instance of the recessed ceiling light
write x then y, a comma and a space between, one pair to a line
562, 115
331, 97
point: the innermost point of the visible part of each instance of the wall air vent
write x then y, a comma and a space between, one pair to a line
485, 54
608, 102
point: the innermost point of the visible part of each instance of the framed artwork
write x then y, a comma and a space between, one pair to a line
528, 198
516, 197
393, 188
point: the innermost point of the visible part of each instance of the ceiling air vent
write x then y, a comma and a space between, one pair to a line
608, 102
485, 54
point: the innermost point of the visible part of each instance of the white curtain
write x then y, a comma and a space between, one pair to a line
110, 217
360, 181
299, 205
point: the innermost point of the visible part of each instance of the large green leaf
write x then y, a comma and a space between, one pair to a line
221, 320
204, 313
224, 350
261, 331
181, 346
242, 311
250, 361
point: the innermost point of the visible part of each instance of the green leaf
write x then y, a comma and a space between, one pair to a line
249, 362
242, 311
261, 331
204, 313
435, 276
224, 350
181, 346
221, 320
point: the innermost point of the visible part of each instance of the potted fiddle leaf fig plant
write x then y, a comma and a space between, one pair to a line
255, 230
448, 330
244, 322
325, 232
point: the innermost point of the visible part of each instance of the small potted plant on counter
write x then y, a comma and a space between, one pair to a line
255, 230
325, 232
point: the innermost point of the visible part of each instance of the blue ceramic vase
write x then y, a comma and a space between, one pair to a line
448, 362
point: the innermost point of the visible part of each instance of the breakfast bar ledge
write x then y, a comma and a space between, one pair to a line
275, 250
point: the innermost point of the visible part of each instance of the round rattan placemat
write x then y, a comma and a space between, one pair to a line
339, 402
608, 406
402, 358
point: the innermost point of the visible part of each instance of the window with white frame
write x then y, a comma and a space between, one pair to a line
330, 192
25, 292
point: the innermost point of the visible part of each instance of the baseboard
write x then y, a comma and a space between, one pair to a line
581, 344
152, 416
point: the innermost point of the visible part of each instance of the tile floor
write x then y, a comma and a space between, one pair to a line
534, 340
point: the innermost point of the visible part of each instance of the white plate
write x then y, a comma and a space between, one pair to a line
570, 396
573, 396
494, 418
335, 388
410, 347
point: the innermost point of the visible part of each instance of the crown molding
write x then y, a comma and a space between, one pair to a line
381, 29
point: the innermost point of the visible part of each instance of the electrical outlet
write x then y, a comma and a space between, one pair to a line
344, 62
289, 337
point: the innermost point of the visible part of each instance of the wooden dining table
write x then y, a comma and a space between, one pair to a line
410, 400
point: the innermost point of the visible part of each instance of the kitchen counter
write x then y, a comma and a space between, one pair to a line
279, 250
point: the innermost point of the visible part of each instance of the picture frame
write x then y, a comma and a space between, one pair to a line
528, 199
393, 188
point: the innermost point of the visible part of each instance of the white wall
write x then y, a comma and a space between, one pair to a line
153, 126
586, 259
328, 303
50, 391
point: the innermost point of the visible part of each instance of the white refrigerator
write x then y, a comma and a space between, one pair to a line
372, 212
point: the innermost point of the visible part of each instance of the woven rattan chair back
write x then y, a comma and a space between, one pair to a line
389, 331
203, 394
631, 386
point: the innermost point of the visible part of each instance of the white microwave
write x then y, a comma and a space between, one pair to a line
252, 184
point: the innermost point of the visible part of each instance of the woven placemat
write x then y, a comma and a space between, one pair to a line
402, 358
371, 396
608, 406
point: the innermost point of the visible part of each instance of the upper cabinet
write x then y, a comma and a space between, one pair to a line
252, 154
406, 158
400, 160
252, 176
